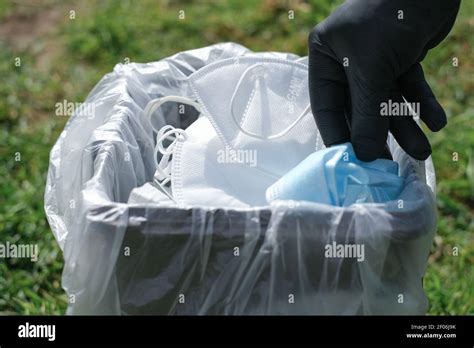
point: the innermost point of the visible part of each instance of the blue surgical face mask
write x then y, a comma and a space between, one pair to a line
335, 176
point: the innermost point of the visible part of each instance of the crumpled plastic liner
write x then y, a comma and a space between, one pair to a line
167, 259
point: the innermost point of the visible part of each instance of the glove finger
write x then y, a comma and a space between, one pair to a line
415, 89
327, 85
369, 88
408, 134
348, 108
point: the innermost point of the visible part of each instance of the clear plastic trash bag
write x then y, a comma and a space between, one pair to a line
161, 258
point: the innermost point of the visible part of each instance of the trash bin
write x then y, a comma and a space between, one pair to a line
161, 258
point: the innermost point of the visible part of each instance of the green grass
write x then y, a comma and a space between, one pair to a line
105, 33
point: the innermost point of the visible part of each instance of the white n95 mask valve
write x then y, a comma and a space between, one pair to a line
259, 104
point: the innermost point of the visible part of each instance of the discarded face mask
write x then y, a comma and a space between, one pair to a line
256, 109
196, 168
335, 176
262, 105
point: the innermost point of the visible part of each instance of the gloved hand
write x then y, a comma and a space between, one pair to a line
366, 53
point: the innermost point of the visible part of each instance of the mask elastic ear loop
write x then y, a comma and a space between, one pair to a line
166, 132
163, 168
151, 107
254, 135
154, 104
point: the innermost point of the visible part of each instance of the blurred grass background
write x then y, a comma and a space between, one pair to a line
64, 57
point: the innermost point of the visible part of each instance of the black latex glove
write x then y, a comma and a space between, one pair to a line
383, 55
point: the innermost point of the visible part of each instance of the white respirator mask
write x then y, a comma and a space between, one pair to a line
255, 126
196, 168
259, 104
